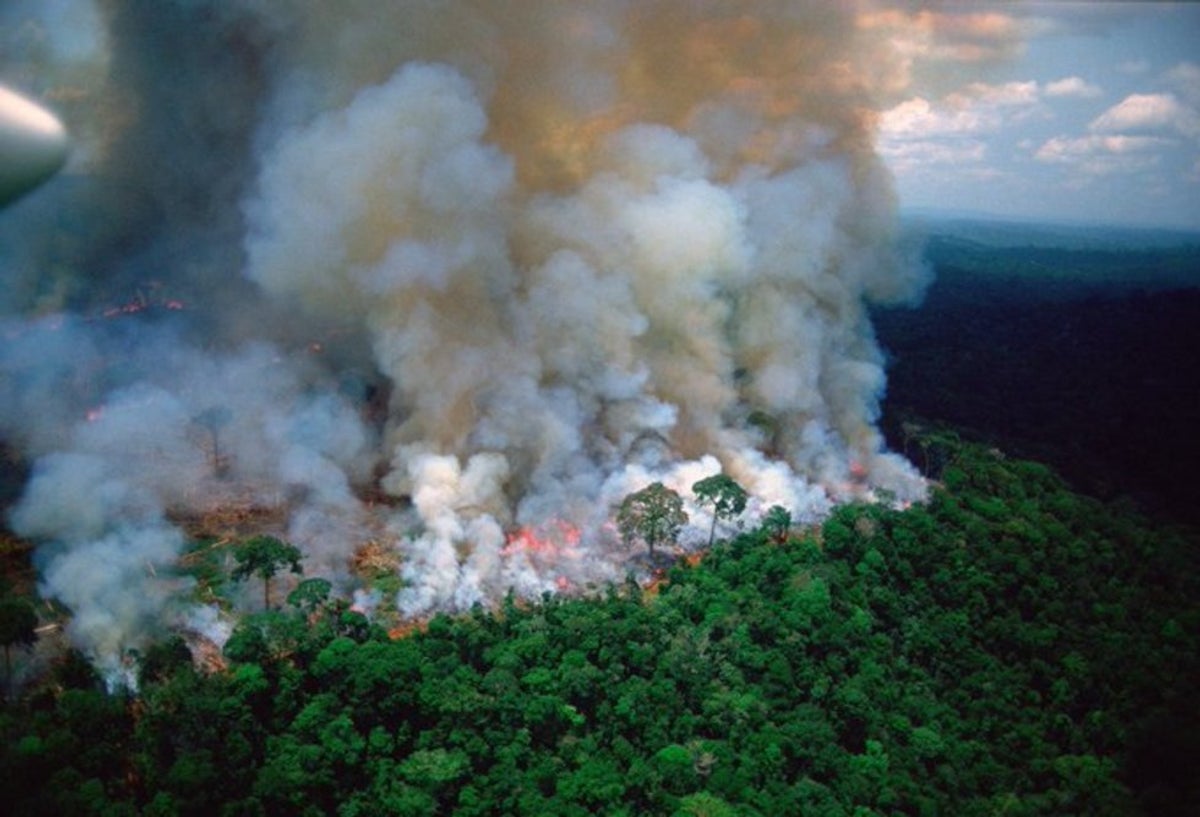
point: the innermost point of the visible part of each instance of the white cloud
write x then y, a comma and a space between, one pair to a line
1101, 155
1073, 87
919, 118
904, 157
1066, 149
1142, 113
1010, 94
1138, 135
977, 108
953, 130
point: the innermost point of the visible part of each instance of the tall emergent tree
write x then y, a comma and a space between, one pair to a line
264, 556
212, 420
18, 623
724, 494
654, 513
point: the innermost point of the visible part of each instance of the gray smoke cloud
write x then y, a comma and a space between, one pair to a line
497, 265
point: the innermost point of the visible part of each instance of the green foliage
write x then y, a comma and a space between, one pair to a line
310, 595
204, 560
18, 623
265, 556
1008, 648
432, 768
654, 514
162, 660
724, 494
778, 523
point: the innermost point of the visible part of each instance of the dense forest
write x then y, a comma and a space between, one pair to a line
1024, 643
1082, 358
1010, 648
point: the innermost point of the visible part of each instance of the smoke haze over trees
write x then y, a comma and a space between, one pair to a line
1010, 646
494, 267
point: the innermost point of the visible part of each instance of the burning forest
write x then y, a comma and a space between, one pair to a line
435, 286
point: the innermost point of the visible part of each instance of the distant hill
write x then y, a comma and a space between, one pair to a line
996, 232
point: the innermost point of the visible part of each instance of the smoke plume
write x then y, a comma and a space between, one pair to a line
449, 278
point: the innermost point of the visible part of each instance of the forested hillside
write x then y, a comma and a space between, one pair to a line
1010, 648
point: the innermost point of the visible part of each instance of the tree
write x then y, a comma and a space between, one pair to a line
163, 659
310, 595
724, 494
212, 420
18, 623
654, 513
264, 556
778, 523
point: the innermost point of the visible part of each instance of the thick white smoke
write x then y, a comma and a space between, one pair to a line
494, 266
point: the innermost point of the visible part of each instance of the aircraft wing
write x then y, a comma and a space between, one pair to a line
33, 145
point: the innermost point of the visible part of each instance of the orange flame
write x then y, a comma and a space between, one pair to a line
547, 540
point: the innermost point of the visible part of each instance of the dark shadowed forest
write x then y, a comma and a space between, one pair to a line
1084, 357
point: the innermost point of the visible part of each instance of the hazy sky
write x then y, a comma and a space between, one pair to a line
1093, 114
1082, 111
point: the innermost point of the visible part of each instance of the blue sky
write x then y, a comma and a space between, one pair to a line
1056, 111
